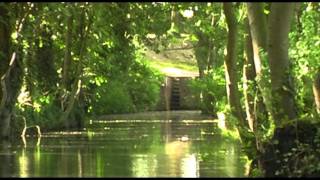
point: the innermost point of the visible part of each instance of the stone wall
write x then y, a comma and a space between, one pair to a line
188, 100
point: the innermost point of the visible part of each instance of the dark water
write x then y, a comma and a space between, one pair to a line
127, 148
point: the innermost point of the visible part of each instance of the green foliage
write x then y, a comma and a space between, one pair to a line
256, 172
44, 112
232, 134
114, 80
144, 87
302, 160
112, 98
213, 84
139, 91
305, 57
293, 150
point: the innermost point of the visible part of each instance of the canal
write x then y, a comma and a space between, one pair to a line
168, 145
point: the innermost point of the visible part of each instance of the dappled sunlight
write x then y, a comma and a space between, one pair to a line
221, 120
187, 13
175, 72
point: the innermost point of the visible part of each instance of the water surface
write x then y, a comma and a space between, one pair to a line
127, 148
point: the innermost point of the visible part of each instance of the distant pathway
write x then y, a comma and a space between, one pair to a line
174, 57
176, 72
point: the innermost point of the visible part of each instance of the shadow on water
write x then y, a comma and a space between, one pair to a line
167, 147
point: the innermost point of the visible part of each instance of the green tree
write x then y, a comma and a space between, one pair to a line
230, 64
11, 78
259, 36
281, 79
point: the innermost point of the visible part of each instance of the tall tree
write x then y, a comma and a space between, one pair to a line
67, 56
283, 103
258, 30
44, 58
5, 41
5, 47
231, 65
123, 47
278, 44
84, 28
204, 52
249, 75
11, 79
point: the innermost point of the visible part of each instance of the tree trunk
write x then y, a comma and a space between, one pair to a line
255, 109
67, 55
46, 73
72, 99
11, 79
258, 30
123, 50
11, 82
230, 64
76, 88
281, 80
316, 91
249, 75
258, 27
262, 103
173, 17
5, 42
201, 53
204, 57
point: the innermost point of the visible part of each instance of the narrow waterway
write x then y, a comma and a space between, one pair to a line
175, 146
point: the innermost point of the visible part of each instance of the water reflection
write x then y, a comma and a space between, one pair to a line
190, 166
79, 164
144, 165
126, 149
23, 164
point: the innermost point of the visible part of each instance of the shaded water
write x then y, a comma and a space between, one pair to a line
127, 148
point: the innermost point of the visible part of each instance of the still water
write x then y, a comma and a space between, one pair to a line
127, 148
